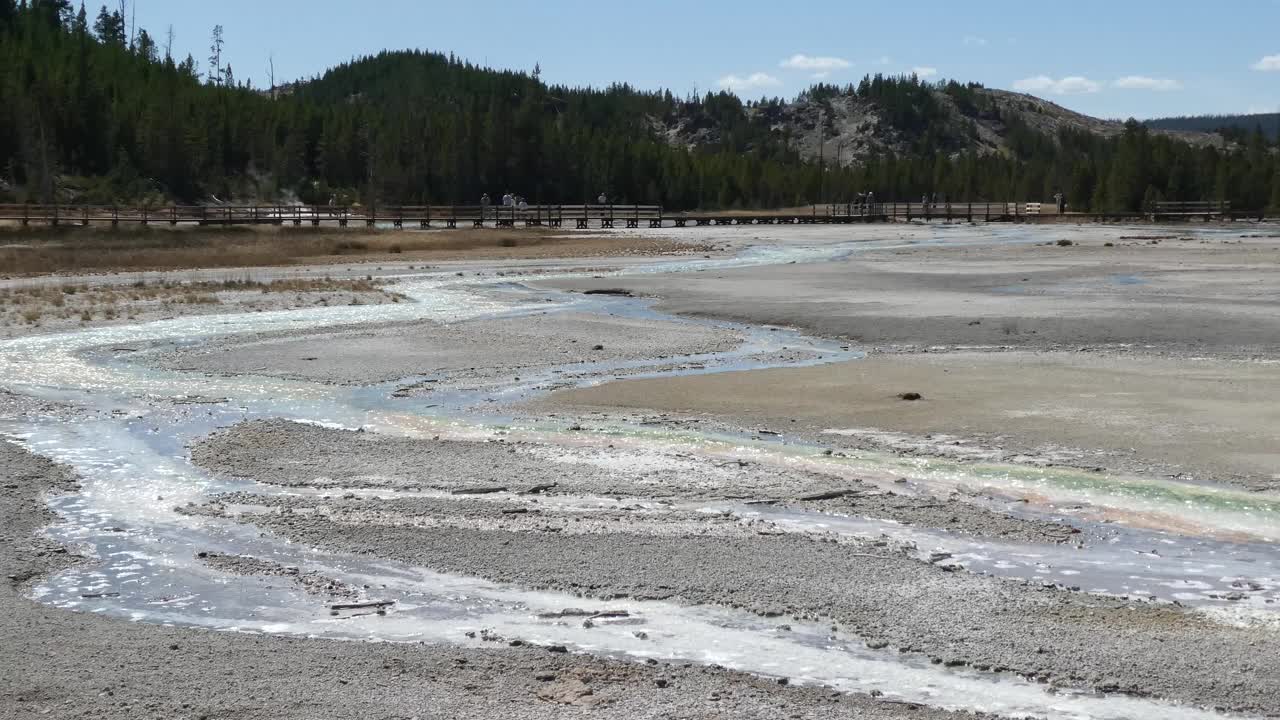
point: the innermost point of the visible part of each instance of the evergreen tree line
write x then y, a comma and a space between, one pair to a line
1237, 126
92, 112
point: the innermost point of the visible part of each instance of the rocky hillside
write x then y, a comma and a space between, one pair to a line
906, 118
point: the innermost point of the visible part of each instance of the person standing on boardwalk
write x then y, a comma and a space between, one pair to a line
602, 200
485, 202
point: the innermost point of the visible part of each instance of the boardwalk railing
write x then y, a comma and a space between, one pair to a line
423, 216
452, 216
577, 216
1187, 209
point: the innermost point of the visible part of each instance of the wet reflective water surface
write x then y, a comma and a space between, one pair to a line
1198, 545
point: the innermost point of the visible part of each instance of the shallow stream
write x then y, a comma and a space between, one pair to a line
1201, 545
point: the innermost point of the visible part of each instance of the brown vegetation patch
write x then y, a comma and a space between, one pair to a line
53, 306
31, 251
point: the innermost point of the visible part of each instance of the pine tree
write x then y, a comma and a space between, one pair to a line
189, 68
52, 13
447, 130
109, 27
1275, 188
145, 47
215, 56
8, 14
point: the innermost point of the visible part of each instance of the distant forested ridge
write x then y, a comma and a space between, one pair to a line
94, 112
1238, 127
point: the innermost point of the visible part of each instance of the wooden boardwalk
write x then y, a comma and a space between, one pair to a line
1193, 210
576, 216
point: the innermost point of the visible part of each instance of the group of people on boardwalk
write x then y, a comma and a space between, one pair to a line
510, 201
517, 203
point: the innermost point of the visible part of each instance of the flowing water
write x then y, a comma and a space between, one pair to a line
1201, 545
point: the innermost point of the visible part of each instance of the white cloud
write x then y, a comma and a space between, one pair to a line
1141, 82
818, 64
821, 75
1270, 63
754, 81
1039, 83
884, 60
975, 41
1072, 85
924, 73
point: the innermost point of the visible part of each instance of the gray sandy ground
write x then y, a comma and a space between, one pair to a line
1071, 639
1152, 355
1067, 638
464, 350
1201, 418
61, 664
310, 581
1204, 293
1191, 298
300, 455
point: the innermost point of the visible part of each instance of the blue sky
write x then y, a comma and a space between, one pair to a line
1116, 58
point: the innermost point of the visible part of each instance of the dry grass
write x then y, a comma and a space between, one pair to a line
324, 284
34, 251
44, 304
